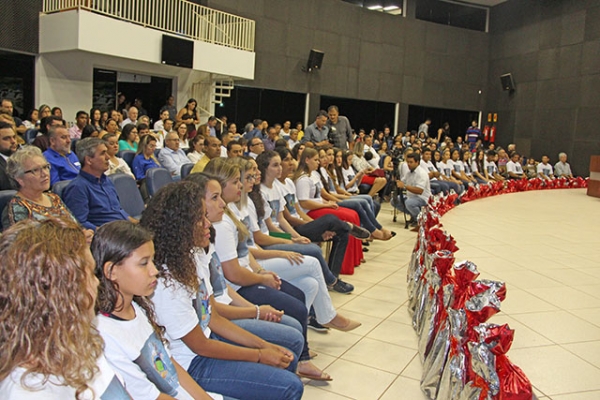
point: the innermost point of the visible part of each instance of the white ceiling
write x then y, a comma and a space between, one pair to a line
486, 3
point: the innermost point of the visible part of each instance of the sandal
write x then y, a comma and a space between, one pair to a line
322, 376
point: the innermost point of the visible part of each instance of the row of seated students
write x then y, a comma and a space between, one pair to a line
278, 279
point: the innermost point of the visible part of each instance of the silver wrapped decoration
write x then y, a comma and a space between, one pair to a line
435, 360
454, 374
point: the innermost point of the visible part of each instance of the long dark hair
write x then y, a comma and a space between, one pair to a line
263, 161
173, 215
113, 243
480, 163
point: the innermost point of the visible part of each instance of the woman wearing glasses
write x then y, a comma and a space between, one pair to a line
30, 173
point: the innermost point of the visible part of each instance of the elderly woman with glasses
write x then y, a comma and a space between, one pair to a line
30, 173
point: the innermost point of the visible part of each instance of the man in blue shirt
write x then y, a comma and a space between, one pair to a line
172, 157
65, 165
256, 132
317, 133
473, 135
91, 196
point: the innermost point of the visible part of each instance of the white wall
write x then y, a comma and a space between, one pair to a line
73, 43
65, 79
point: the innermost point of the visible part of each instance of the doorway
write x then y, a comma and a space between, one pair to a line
152, 90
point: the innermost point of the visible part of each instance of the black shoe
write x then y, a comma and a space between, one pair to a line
366, 243
359, 232
341, 287
315, 326
365, 249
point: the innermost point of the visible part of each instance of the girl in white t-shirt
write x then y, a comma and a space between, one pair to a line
48, 346
134, 342
467, 168
219, 355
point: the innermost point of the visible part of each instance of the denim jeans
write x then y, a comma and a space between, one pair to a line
364, 211
245, 380
329, 222
309, 278
277, 333
413, 205
290, 299
312, 250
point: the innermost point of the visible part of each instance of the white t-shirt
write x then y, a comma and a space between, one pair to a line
466, 166
252, 222
374, 162
106, 386
288, 191
418, 178
490, 167
216, 276
514, 167
134, 350
545, 169
428, 167
474, 166
349, 174
274, 202
309, 188
456, 166
227, 235
180, 311
445, 168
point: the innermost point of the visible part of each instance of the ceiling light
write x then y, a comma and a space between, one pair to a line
390, 8
375, 7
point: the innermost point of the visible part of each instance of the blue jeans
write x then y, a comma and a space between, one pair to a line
412, 205
364, 211
277, 333
290, 299
329, 222
312, 250
245, 380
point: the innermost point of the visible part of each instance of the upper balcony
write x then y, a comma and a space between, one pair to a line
133, 29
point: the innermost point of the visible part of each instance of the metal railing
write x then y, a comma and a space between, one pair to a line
179, 17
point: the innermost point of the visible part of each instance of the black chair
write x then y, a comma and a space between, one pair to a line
127, 156
156, 178
74, 145
58, 187
186, 169
5, 197
129, 194
30, 135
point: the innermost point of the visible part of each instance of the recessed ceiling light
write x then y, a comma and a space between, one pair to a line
390, 8
375, 7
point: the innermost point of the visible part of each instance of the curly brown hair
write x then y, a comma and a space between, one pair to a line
113, 243
174, 215
46, 304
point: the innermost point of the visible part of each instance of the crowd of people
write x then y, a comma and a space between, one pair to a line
210, 293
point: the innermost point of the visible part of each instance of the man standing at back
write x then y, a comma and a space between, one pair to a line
340, 131
473, 135
65, 165
317, 133
424, 127
170, 107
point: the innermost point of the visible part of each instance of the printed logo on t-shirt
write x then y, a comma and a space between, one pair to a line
546, 171
490, 169
217, 279
318, 187
244, 245
275, 209
456, 168
518, 168
156, 364
448, 172
115, 391
290, 203
202, 305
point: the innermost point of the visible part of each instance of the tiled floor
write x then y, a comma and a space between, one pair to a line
545, 245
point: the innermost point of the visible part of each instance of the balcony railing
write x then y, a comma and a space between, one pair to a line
179, 17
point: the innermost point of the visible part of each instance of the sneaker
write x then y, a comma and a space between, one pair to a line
341, 287
315, 326
359, 232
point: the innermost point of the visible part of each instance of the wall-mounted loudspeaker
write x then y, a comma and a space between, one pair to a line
507, 82
315, 60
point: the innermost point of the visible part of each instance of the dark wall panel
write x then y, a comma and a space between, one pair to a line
552, 49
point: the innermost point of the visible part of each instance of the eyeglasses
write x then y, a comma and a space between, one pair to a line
257, 144
38, 171
250, 177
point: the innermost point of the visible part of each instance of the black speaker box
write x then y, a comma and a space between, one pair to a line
507, 82
315, 60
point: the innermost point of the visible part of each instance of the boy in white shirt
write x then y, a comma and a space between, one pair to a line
513, 167
544, 169
491, 169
